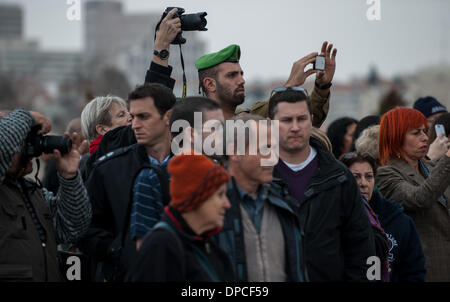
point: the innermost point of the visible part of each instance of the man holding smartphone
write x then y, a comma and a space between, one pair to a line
324, 66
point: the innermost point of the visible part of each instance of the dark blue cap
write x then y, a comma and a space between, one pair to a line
429, 105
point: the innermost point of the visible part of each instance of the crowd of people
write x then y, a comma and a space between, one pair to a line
139, 211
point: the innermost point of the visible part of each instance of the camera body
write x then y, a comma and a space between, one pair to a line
189, 22
36, 144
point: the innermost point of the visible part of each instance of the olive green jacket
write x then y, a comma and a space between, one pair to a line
319, 108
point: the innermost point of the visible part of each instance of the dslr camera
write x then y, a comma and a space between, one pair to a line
36, 144
189, 22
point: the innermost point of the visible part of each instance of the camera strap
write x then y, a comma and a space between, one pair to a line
184, 74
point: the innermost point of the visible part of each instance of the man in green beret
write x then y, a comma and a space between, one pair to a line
221, 79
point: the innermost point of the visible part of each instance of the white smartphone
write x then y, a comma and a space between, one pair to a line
439, 129
319, 64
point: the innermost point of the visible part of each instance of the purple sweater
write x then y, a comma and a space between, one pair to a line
297, 181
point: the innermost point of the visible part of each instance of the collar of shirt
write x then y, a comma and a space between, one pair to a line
154, 161
301, 166
252, 201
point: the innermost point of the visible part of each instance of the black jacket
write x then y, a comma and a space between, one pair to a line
160, 74
175, 253
119, 137
336, 234
109, 177
231, 239
110, 187
124, 136
406, 257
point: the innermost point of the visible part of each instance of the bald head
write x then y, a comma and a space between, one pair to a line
75, 126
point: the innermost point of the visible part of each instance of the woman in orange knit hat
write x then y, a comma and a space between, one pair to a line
178, 247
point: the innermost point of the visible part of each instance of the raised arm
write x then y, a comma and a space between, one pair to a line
414, 197
14, 128
70, 208
160, 70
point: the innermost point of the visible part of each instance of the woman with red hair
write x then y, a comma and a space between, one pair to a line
421, 187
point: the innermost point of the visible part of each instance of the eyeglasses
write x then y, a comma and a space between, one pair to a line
293, 88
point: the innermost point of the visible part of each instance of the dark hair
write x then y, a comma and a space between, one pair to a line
444, 120
163, 97
207, 73
289, 96
185, 109
356, 157
336, 132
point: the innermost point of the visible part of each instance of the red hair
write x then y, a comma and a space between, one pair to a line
393, 127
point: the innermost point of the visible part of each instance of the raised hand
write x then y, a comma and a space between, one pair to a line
298, 74
168, 30
326, 76
40, 119
67, 165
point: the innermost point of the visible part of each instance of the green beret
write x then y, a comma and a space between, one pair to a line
231, 53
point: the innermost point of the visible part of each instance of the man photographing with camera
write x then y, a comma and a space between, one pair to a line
33, 220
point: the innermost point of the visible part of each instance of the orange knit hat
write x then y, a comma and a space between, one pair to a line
193, 179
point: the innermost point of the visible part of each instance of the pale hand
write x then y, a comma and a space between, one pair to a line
439, 147
326, 76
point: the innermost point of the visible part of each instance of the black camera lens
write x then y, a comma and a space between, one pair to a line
191, 22
61, 143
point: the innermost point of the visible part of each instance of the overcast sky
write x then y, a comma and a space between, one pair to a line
273, 34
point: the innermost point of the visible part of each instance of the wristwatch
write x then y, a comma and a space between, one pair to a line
324, 86
162, 54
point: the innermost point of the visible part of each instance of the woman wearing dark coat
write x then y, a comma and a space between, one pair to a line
178, 248
405, 256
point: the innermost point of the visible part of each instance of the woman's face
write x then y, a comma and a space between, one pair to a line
415, 145
212, 211
363, 173
348, 138
119, 116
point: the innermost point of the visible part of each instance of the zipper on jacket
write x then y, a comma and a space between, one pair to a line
302, 229
45, 261
207, 248
302, 233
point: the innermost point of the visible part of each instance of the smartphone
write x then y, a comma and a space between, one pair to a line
319, 64
439, 129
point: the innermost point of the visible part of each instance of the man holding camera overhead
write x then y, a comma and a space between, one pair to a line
33, 220
221, 77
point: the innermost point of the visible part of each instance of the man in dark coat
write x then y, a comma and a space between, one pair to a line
336, 233
110, 183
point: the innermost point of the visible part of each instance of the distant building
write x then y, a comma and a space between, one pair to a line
11, 21
22, 58
25, 59
432, 80
125, 41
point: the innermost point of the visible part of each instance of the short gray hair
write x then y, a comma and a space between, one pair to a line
368, 141
96, 112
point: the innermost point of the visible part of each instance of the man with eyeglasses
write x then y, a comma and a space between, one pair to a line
336, 235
